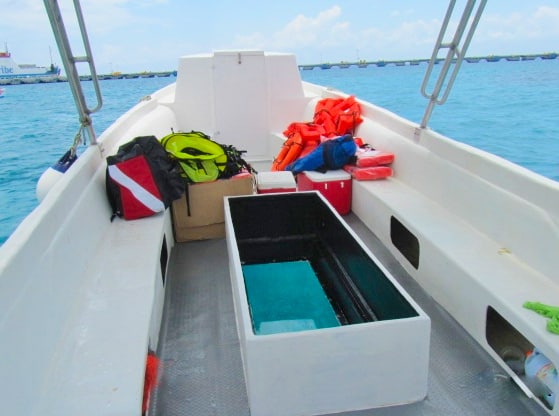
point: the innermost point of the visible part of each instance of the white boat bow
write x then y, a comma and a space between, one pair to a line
468, 235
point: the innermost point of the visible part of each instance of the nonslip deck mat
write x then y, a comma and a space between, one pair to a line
286, 297
202, 374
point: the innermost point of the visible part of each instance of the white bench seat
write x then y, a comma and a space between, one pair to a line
463, 269
99, 364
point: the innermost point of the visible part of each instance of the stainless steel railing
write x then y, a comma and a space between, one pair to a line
454, 56
70, 61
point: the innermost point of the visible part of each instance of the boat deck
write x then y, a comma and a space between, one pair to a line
201, 361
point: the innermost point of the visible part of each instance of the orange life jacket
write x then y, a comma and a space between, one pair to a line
333, 117
338, 116
302, 138
307, 131
288, 153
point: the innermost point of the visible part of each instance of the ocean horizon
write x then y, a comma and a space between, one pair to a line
508, 108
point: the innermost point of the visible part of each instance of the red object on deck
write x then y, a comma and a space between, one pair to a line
334, 185
152, 369
374, 158
369, 174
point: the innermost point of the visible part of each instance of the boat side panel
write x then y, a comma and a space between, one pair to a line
245, 99
513, 207
64, 287
288, 102
40, 267
153, 115
462, 270
480, 243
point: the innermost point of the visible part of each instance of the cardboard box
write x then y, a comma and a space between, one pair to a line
334, 185
198, 215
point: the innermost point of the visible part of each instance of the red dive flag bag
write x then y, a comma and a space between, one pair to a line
141, 179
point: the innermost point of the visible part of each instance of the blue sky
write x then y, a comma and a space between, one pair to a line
138, 35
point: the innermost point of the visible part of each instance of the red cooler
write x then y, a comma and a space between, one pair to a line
272, 182
334, 185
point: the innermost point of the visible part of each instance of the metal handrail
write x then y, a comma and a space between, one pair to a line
454, 55
70, 61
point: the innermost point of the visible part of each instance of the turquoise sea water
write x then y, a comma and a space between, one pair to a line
286, 297
510, 109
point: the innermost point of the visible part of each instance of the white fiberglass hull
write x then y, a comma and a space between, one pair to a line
82, 297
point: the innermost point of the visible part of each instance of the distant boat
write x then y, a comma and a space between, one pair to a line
12, 73
493, 58
1, 93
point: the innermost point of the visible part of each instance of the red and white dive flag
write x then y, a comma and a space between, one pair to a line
139, 193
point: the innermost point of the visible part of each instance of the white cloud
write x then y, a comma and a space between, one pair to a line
399, 13
253, 41
138, 32
409, 39
516, 32
24, 14
328, 36
546, 12
302, 31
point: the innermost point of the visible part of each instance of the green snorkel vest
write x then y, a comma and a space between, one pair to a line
200, 158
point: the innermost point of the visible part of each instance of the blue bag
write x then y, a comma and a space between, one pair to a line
331, 154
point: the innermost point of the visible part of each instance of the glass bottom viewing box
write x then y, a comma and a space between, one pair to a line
323, 326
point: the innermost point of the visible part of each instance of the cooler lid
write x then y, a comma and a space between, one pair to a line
328, 176
275, 180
